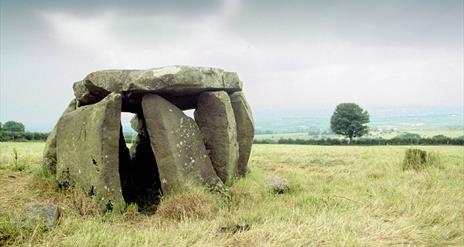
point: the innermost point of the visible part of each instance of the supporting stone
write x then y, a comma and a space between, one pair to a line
49, 153
88, 146
178, 146
125, 168
215, 117
245, 129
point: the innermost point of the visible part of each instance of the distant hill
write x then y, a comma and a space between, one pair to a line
292, 121
400, 119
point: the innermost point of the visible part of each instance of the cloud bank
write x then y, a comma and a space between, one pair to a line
290, 55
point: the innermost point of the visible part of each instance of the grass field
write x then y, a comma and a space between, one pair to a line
339, 195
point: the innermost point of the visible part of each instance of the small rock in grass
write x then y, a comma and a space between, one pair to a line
49, 214
278, 185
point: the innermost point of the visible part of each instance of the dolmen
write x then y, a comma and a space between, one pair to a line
170, 151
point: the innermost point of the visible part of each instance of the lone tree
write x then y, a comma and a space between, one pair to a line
349, 120
13, 126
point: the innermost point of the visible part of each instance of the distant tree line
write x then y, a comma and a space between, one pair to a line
12, 131
9, 136
406, 139
15, 131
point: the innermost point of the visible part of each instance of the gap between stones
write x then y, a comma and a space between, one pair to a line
138, 171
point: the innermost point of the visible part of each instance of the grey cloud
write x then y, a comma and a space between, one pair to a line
290, 54
91, 7
396, 22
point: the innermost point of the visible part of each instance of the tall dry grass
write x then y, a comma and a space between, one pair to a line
350, 196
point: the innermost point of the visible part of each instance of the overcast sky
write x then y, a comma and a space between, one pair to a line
289, 54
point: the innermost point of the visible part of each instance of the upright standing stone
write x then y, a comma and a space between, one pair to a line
245, 129
177, 144
88, 141
49, 153
215, 116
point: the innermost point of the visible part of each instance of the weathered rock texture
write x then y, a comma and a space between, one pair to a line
49, 154
86, 149
168, 81
46, 215
278, 185
178, 145
215, 117
245, 129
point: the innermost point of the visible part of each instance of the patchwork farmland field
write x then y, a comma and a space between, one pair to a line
339, 195
372, 134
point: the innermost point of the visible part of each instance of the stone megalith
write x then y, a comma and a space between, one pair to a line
245, 129
49, 153
87, 149
215, 117
88, 141
167, 81
177, 144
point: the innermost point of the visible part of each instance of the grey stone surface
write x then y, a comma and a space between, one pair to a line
215, 117
49, 153
88, 151
245, 129
177, 144
278, 185
138, 124
168, 81
47, 214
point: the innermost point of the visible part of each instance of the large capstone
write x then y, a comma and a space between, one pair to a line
171, 82
49, 153
215, 117
88, 146
178, 146
245, 129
